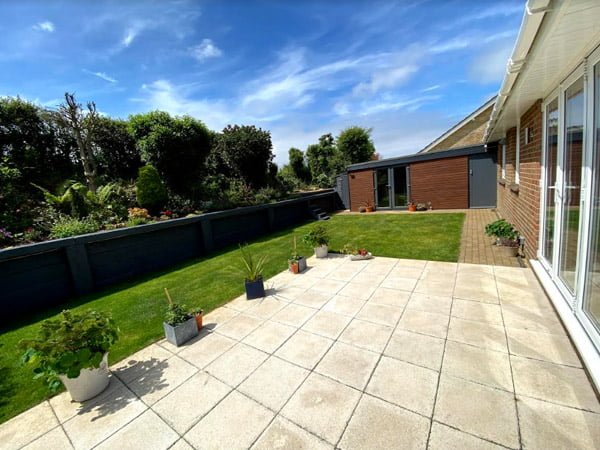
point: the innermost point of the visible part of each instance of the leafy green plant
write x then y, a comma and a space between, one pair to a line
74, 199
69, 343
317, 236
502, 230
67, 226
150, 190
253, 266
176, 313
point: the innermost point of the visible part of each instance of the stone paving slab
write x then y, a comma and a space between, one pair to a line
385, 353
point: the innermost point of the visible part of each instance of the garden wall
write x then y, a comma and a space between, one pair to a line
36, 277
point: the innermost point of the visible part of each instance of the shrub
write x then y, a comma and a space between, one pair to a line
501, 229
150, 190
70, 226
317, 236
253, 267
176, 313
69, 343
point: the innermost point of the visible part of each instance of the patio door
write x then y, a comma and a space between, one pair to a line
549, 191
391, 187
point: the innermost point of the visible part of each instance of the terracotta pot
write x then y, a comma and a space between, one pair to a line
369, 209
294, 267
412, 208
199, 320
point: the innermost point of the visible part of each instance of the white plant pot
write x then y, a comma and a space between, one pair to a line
89, 383
321, 251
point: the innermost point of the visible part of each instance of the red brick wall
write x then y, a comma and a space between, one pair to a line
522, 208
443, 182
360, 184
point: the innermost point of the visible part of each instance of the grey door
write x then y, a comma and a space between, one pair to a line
482, 180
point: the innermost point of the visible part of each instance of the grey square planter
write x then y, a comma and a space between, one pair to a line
181, 333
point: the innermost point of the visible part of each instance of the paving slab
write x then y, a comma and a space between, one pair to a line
236, 364
391, 297
235, 423
480, 334
479, 410
404, 384
269, 336
435, 325
419, 349
443, 437
54, 439
381, 314
304, 349
322, 406
240, 326
348, 364
207, 349
367, 335
284, 435
376, 424
294, 315
183, 408
430, 303
543, 346
327, 324
548, 426
37, 421
273, 383
347, 306
477, 311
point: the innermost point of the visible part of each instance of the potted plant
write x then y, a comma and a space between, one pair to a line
179, 325
73, 349
412, 206
318, 238
369, 207
198, 315
253, 268
507, 238
296, 263
356, 254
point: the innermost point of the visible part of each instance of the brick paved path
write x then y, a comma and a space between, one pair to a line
475, 246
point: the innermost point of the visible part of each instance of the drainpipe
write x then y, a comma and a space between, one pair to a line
535, 10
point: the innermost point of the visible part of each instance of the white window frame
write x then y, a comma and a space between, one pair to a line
518, 153
503, 159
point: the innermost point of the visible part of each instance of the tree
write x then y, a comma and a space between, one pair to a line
176, 146
298, 165
324, 160
116, 153
150, 190
355, 144
246, 152
81, 125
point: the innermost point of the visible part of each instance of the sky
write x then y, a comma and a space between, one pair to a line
408, 70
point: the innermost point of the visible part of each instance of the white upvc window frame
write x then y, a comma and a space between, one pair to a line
518, 153
503, 162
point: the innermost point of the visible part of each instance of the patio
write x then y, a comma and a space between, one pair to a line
386, 353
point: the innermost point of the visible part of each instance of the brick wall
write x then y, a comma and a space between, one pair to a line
360, 184
522, 207
443, 182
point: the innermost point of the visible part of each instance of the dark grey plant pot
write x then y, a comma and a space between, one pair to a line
181, 333
301, 264
255, 289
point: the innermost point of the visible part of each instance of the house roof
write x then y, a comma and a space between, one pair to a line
554, 38
418, 157
463, 129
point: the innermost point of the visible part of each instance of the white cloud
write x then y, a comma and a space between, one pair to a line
45, 26
206, 50
435, 87
490, 65
101, 75
450, 45
130, 35
386, 79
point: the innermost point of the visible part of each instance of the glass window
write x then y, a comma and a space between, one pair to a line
550, 177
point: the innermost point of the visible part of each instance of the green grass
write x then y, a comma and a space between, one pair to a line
138, 306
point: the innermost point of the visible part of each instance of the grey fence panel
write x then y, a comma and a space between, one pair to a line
34, 283
40, 276
115, 260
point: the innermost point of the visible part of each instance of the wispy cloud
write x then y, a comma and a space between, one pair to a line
490, 66
450, 45
386, 79
130, 35
101, 75
206, 50
499, 9
435, 87
45, 26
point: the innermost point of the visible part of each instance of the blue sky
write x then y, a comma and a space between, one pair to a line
407, 69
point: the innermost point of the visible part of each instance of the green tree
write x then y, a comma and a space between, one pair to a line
150, 190
298, 165
355, 144
245, 151
116, 153
176, 146
324, 161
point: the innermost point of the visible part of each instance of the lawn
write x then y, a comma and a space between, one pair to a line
137, 306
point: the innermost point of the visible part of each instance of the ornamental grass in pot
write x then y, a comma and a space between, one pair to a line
253, 269
318, 238
180, 326
296, 263
72, 349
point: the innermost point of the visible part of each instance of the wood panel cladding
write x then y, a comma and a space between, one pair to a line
443, 182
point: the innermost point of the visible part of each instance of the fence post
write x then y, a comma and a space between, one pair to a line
207, 235
79, 266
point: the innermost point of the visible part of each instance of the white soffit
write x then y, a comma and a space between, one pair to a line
560, 34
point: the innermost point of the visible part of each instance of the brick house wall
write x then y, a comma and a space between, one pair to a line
520, 205
443, 182
361, 187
